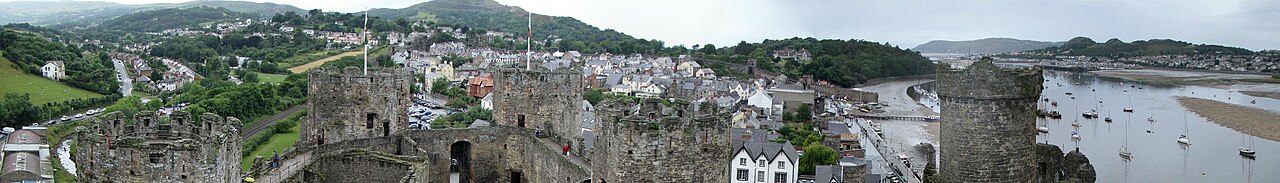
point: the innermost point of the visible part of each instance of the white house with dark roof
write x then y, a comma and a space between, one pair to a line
54, 69
756, 160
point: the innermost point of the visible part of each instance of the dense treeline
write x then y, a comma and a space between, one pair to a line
16, 109
245, 101
89, 71
206, 50
841, 62
340, 22
1083, 46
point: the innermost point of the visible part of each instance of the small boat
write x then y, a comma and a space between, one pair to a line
1093, 113
1183, 140
1253, 102
1124, 153
1075, 135
1068, 93
1055, 115
1248, 153
1046, 99
1108, 119
1149, 119
1043, 129
1055, 104
1075, 123
1128, 109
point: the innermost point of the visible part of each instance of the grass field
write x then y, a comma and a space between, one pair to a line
271, 78
304, 58
42, 89
278, 143
317, 63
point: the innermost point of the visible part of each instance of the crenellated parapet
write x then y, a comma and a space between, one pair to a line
656, 140
984, 80
149, 148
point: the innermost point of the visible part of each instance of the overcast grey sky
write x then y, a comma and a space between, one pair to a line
1252, 24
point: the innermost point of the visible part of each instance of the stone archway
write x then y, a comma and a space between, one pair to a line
460, 162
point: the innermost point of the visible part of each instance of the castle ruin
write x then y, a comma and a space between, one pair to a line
988, 122
115, 148
346, 104
655, 140
549, 101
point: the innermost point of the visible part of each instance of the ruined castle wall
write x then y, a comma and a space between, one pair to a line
346, 168
117, 149
661, 141
495, 153
347, 104
548, 100
988, 123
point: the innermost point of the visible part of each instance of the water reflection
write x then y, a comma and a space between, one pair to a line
1212, 157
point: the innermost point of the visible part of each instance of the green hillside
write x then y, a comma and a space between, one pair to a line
42, 89
490, 15
161, 19
86, 13
1083, 46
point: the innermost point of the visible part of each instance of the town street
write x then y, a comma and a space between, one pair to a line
126, 86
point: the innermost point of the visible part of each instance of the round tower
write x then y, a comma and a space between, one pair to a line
988, 122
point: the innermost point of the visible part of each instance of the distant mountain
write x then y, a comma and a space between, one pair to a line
1083, 46
983, 46
80, 13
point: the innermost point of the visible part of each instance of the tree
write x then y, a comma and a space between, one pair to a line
594, 96
814, 155
804, 113
16, 110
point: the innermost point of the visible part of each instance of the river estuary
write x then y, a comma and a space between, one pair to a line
1157, 156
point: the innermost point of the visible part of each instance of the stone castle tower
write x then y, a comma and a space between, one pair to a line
988, 122
543, 99
143, 149
346, 104
655, 140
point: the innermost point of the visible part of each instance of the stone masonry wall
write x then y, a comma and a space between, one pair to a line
495, 153
116, 149
988, 122
548, 100
346, 104
661, 141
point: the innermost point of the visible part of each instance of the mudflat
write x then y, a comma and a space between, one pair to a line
1252, 121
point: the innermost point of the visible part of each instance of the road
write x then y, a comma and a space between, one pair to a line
317, 63
262, 125
126, 87
887, 154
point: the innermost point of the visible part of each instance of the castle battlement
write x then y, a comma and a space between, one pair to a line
984, 80
116, 148
648, 140
345, 104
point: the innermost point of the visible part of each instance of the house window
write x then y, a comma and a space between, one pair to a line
742, 175
742, 161
782, 165
762, 163
780, 177
760, 176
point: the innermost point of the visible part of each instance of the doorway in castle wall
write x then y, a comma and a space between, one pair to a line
517, 177
460, 162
